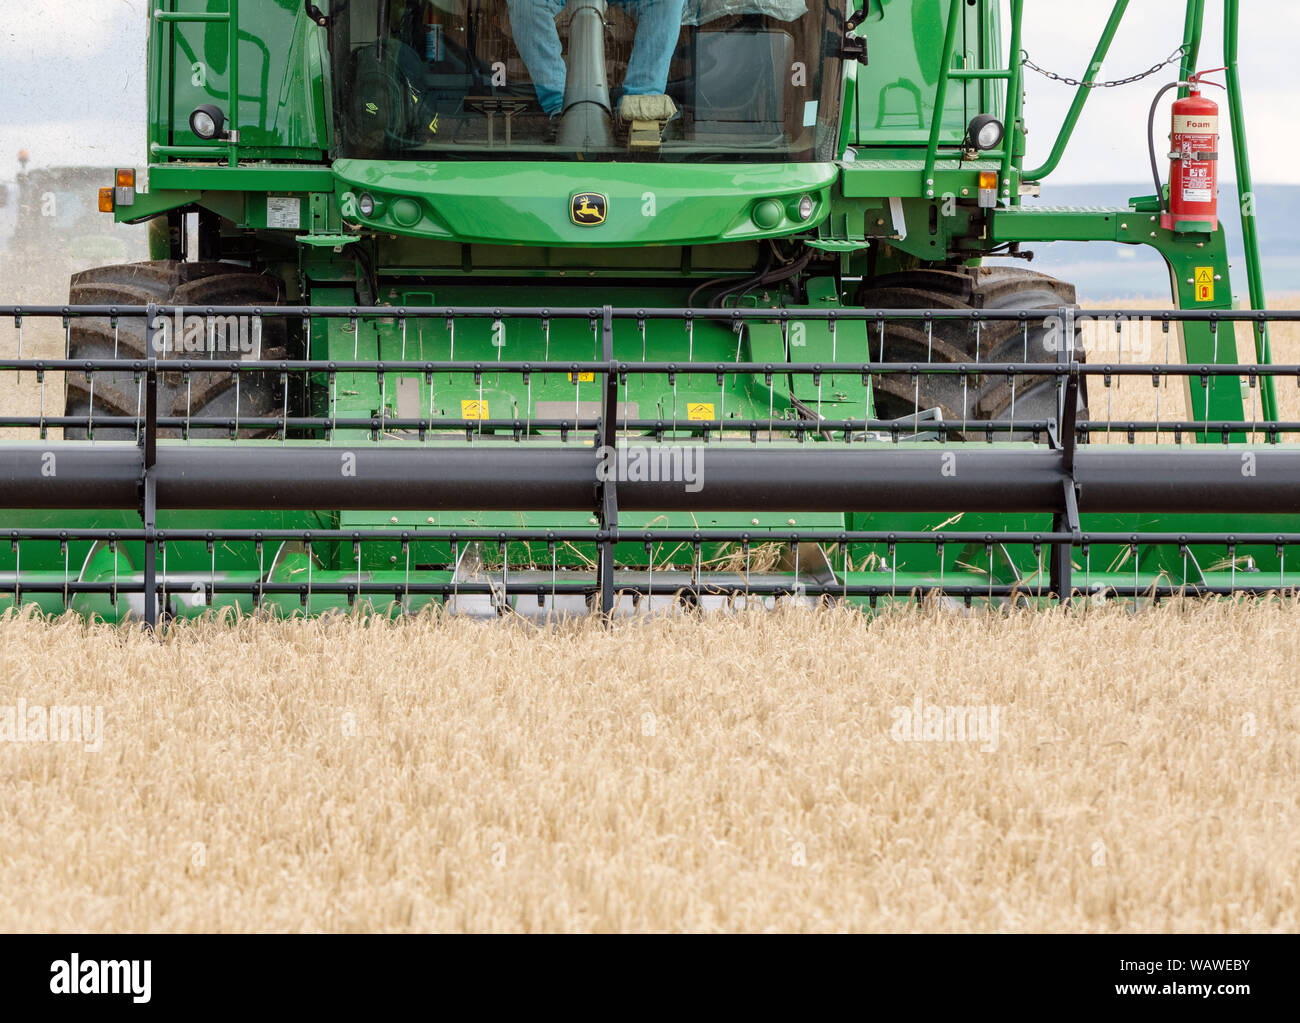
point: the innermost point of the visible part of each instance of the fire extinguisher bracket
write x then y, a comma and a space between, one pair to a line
1186, 226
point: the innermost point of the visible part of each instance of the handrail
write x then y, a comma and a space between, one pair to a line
189, 16
947, 73
1015, 97
230, 18
1081, 96
941, 96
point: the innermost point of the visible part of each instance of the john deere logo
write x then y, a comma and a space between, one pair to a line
587, 209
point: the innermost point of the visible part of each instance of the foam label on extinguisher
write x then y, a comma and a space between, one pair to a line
1196, 124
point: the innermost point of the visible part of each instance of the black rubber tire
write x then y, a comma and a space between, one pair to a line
169, 282
970, 288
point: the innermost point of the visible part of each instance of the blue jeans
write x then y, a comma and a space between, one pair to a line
658, 24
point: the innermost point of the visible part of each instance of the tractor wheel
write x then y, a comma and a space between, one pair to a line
969, 288
195, 286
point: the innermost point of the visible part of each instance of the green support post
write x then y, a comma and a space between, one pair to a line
1192, 31
1015, 99
1246, 189
941, 97
1189, 260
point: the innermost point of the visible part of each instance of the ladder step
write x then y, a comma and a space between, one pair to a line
191, 16
977, 73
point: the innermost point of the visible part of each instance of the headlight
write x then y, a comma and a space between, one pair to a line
768, 214
806, 207
366, 204
985, 132
207, 122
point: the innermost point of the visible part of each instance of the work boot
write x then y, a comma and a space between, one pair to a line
643, 118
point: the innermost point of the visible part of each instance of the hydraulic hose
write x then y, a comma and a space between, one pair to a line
1151, 144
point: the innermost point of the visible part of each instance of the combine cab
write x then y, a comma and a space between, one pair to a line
530, 307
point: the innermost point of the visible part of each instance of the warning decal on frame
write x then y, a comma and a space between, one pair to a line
474, 410
582, 378
1205, 284
284, 213
699, 411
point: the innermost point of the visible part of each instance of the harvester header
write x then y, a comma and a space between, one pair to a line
532, 306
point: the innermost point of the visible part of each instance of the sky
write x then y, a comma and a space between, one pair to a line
72, 83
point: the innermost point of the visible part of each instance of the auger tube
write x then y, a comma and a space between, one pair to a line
106, 475
586, 118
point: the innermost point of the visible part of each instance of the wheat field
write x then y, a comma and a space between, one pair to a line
1131, 773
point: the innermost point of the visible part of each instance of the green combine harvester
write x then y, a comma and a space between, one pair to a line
533, 307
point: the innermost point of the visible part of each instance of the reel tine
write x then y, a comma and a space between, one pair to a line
451, 353
505, 577
546, 343
834, 345
334, 406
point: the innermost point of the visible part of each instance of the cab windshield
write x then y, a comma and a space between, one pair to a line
669, 80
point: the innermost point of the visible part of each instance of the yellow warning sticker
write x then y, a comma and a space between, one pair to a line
582, 378
1205, 284
699, 411
474, 410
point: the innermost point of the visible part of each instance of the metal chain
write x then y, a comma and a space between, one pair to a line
1176, 56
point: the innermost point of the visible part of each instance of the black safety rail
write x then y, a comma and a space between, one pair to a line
868, 466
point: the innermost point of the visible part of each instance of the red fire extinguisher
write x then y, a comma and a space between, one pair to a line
1194, 155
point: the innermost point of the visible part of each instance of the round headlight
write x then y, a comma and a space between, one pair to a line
806, 207
406, 211
366, 204
986, 132
207, 122
768, 214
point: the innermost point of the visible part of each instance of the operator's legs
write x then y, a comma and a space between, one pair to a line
538, 40
658, 24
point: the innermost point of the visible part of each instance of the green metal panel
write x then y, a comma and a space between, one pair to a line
281, 83
528, 204
896, 93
